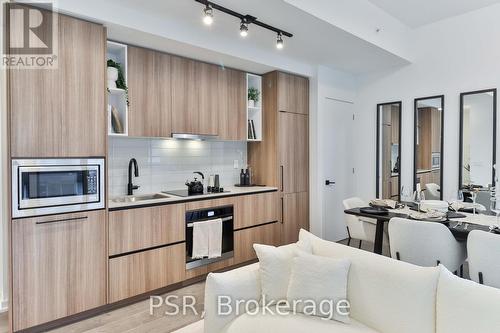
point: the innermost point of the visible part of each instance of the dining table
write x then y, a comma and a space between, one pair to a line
459, 223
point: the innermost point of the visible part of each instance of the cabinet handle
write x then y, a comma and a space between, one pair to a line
62, 220
282, 177
282, 211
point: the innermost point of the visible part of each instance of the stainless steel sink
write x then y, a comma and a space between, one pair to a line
143, 197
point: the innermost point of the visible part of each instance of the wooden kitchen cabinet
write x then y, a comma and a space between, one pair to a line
62, 112
149, 82
142, 228
194, 97
293, 93
295, 215
138, 273
293, 152
269, 234
255, 209
282, 160
58, 266
231, 100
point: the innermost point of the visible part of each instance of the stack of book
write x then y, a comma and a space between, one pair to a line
251, 130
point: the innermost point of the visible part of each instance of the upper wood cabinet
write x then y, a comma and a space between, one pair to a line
231, 100
293, 152
293, 93
62, 112
149, 81
194, 97
59, 266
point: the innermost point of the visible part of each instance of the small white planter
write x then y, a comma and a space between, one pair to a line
112, 77
251, 103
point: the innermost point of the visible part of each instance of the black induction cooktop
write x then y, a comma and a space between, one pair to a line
184, 193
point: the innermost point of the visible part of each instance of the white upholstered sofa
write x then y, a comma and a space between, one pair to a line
386, 296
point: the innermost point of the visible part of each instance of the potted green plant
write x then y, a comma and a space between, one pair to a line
116, 79
253, 96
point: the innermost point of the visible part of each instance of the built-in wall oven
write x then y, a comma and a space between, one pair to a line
53, 186
225, 213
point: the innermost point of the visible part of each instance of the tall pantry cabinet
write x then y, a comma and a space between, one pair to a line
58, 262
282, 158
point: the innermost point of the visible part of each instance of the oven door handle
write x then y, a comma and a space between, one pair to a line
224, 219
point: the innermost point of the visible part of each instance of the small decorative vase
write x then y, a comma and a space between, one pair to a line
251, 103
112, 77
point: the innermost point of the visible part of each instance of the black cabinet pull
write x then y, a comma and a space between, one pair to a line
282, 177
282, 211
63, 220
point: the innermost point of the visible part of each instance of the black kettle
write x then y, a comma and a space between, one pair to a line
196, 186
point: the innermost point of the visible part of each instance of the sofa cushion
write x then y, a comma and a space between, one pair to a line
319, 279
385, 294
465, 306
298, 323
275, 267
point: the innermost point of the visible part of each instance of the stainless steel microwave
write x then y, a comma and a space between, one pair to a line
53, 186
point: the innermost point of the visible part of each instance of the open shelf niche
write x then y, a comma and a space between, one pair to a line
254, 112
117, 97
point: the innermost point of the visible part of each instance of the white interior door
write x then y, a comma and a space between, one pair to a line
338, 165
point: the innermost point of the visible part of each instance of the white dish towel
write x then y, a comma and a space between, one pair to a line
207, 239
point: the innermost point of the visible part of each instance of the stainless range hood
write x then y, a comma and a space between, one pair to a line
197, 137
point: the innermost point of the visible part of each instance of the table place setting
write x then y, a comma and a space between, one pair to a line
458, 215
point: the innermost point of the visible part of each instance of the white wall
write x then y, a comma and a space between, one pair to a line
452, 56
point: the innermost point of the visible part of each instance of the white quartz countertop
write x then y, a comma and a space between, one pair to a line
114, 204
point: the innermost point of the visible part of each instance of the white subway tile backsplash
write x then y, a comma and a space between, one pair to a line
166, 164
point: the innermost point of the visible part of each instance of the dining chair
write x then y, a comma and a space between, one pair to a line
432, 191
425, 244
360, 228
483, 248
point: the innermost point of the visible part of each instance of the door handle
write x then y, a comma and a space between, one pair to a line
329, 182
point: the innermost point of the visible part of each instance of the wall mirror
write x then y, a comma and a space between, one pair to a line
389, 151
428, 147
477, 138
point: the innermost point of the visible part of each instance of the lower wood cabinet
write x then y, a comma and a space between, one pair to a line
256, 209
138, 273
58, 266
269, 234
295, 215
142, 228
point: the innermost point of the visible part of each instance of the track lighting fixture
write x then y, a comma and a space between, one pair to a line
243, 29
279, 42
245, 21
208, 15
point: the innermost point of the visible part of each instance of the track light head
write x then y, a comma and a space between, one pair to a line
279, 41
243, 29
208, 15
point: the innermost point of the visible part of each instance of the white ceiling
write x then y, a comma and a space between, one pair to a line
416, 13
315, 41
